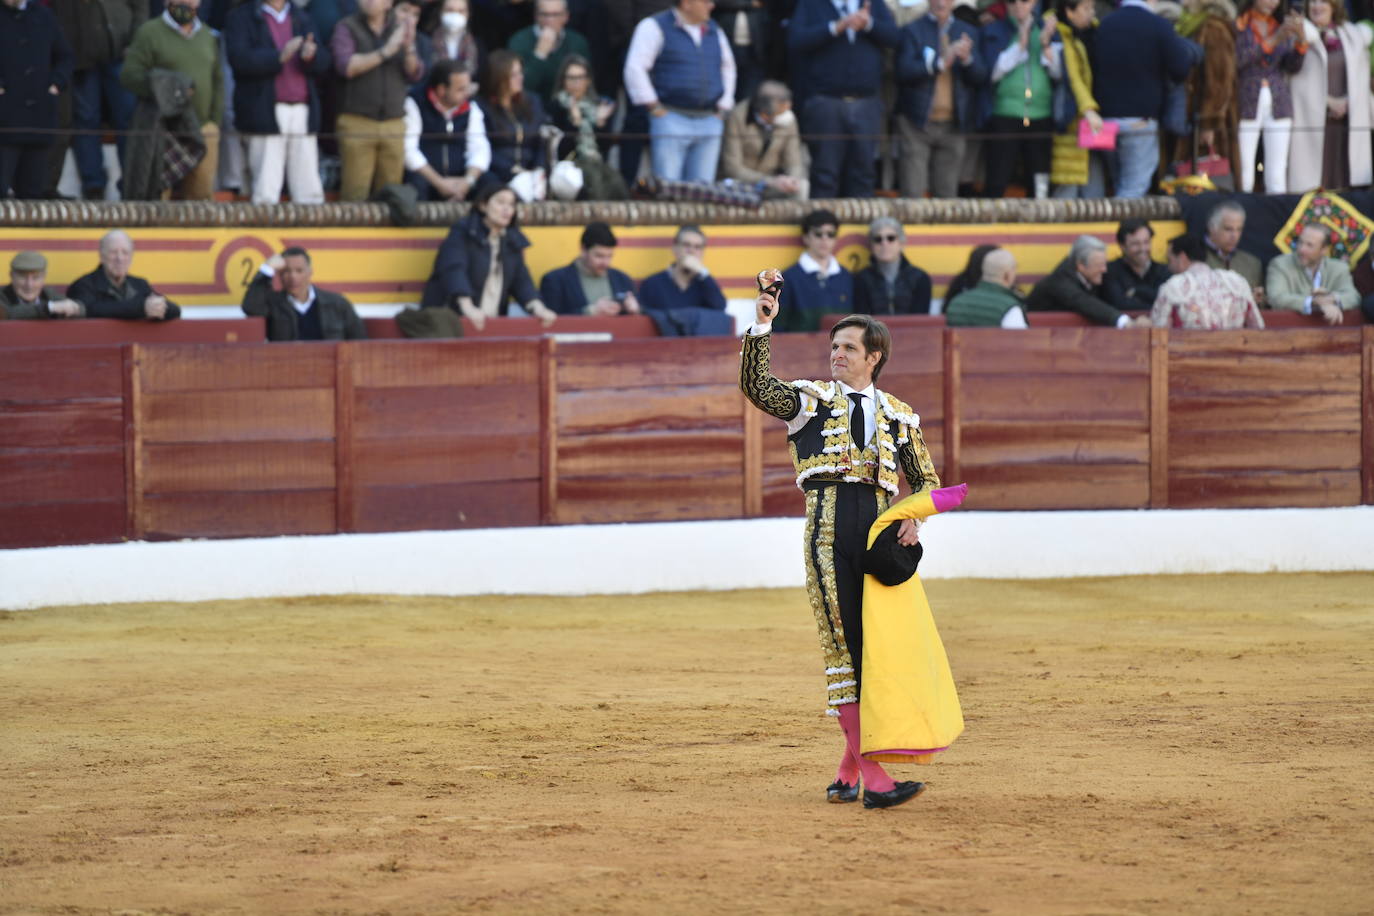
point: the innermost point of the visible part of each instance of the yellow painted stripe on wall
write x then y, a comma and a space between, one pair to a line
212, 266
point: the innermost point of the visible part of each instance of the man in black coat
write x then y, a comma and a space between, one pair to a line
110, 292
1134, 279
35, 66
297, 310
890, 284
1076, 286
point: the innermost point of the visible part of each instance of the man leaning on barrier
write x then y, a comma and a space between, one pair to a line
27, 297
110, 291
294, 308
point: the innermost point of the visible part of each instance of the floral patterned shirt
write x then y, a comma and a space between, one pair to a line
1207, 299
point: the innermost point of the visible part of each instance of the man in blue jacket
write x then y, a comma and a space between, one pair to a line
938, 69
276, 56
816, 285
590, 285
837, 49
1137, 53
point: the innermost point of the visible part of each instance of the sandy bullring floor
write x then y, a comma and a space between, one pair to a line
1136, 745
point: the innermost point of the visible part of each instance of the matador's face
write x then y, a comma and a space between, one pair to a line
850, 362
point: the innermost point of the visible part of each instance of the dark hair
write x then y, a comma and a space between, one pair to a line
488, 186
499, 67
296, 251
817, 218
575, 60
688, 229
1190, 246
877, 338
598, 234
1130, 227
1280, 11
1062, 7
972, 274
443, 71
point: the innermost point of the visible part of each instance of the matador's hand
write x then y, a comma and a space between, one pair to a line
908, 532
766, 305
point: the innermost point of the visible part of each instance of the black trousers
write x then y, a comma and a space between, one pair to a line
837, 522
1016, 144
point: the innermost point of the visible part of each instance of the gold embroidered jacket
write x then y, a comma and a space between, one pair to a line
823, 449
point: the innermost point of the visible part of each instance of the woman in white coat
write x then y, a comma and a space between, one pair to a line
1331, 103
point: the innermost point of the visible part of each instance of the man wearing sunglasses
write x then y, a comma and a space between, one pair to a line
816, 285
890, 284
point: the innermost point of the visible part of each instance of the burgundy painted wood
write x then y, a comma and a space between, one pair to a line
73, 332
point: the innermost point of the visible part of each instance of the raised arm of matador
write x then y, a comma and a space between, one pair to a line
770, 394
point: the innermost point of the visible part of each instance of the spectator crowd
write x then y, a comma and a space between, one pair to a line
778, 98
1208, 282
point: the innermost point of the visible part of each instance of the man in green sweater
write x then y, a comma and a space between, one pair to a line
544, 46
178, 40
993, 303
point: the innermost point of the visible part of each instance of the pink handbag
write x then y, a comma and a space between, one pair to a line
1106, 139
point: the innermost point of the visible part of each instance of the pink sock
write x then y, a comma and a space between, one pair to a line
947, 498
848, 773
875, 777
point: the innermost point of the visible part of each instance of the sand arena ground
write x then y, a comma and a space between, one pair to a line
1134, 745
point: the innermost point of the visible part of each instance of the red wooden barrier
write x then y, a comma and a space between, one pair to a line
1056, 418
648, 431
66, 333
184, 440
619, 326
62, 455
1260, 418
233, 441
439, 434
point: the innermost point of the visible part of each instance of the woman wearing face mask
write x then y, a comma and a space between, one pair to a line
1331, 146
452, 40
480, 266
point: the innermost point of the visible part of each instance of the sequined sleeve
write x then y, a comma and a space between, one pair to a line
767, 393
916, 463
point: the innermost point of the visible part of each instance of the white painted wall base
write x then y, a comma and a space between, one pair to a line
608, 559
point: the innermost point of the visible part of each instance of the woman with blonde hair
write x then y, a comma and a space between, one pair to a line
1331, 116
1074, 171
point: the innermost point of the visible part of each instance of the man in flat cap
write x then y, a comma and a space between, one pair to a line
27, 297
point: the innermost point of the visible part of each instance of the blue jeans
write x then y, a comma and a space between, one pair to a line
1136, 156
844, 142
684, 147
97, 96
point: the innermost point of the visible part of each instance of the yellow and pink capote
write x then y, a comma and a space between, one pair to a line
908, 708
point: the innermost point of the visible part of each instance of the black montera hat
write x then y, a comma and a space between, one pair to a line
889, 562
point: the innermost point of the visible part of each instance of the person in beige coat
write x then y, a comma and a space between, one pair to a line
1306, 280
1331, 103
763, 146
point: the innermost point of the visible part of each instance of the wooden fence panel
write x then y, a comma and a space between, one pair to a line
443, 434
233, 441
62, 457
1265, 418
649, 431
1054, 418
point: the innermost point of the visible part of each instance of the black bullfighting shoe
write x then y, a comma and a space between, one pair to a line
901, 792
838, 793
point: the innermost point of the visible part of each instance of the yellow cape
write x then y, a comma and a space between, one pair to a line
908, 706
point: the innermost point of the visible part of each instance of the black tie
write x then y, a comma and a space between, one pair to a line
856, 422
